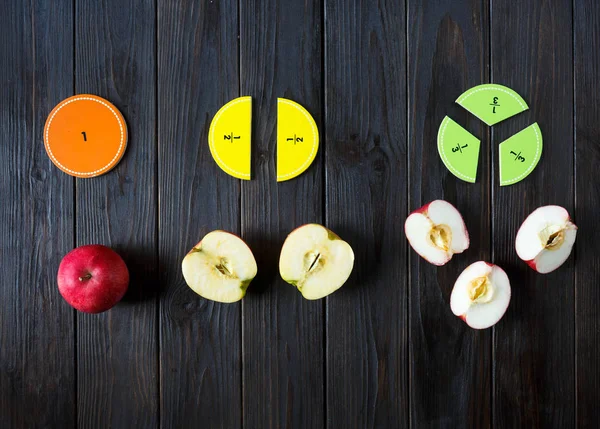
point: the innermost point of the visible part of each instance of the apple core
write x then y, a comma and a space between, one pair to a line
441, 236
224, 267
481, 290
312, 259
552, 237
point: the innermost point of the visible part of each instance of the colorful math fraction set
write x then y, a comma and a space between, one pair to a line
229, 138
491, 103
86, 136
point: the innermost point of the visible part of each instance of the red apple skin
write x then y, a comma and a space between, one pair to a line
532, 264
92, 278
423, 209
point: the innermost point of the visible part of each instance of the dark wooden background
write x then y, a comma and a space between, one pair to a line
378, 76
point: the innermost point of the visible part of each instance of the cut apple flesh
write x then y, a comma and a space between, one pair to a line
481, 295
546, 238
316, 261
220, 267
436, 231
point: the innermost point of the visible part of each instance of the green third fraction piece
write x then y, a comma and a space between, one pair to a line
520, 154
459, 150
492, 103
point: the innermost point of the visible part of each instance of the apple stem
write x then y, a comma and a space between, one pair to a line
86, 277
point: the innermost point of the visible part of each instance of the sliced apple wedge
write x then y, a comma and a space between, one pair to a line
481, 295
315, 260
437, 231
220, 267
546, 238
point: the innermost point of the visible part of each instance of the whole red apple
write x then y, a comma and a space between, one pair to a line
92, 278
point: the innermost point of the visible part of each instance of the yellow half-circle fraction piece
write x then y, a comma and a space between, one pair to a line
229, 137
297, 139
492, 103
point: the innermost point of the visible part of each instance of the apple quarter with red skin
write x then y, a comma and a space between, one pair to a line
220, 267
315, 260
546, 238
481, 295
437, 231
92, 278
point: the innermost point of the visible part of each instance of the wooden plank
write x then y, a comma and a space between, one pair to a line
200, 351
449, 44
587, 200
37, 358
534, 344
117, 366
367, 348
282, 332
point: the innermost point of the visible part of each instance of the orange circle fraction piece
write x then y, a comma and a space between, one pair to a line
85, 136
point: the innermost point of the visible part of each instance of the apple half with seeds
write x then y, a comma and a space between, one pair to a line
546, 238
481, 295
220, 267
437, 231
315, 260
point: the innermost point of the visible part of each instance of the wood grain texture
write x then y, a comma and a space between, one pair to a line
117, 362
385, 351
37, 358
534, 344
200, 351
367, 347
448, 43
587, 200
282, 333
